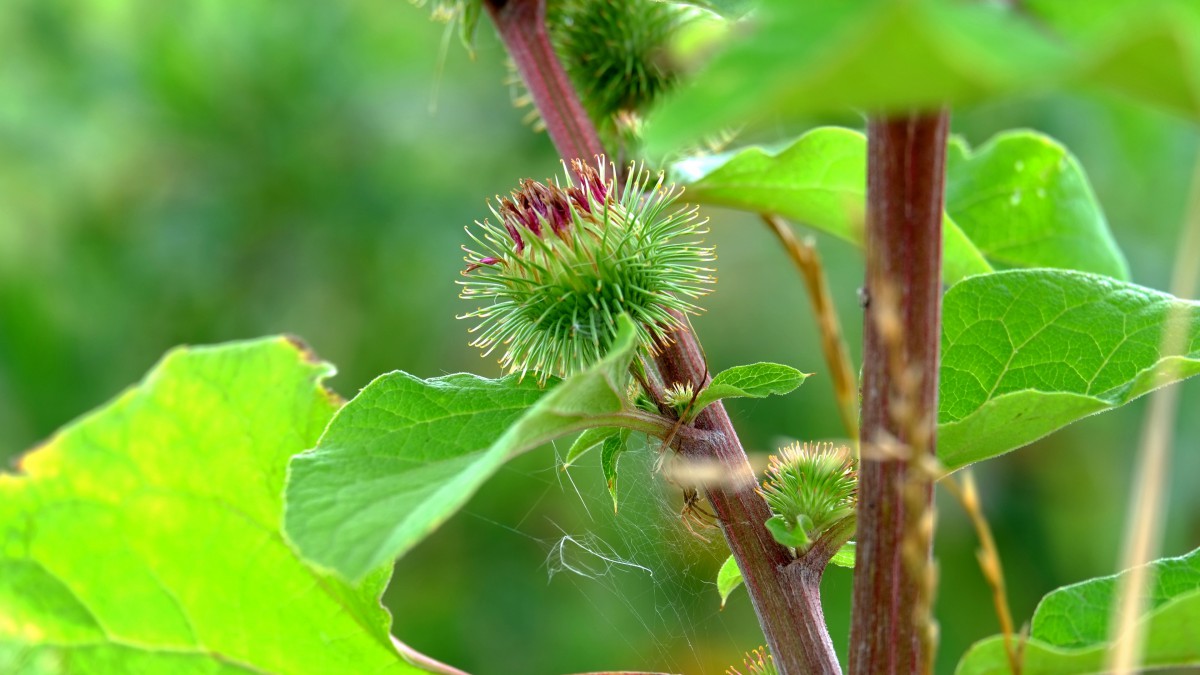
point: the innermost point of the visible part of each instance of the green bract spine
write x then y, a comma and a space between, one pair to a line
564, 259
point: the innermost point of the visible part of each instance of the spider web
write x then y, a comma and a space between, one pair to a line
643, 560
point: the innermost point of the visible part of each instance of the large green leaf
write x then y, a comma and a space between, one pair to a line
145, 536
1026, 352
1071, 625
1145, 49
818, 57
820, 180
406, 454
1024, 201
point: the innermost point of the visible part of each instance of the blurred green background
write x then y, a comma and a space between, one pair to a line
200, 171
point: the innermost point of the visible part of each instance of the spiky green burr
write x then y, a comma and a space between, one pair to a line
563, 259
616, 53
809, 487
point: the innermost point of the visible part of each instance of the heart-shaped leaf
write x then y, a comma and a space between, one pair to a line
1021, 200
820, 180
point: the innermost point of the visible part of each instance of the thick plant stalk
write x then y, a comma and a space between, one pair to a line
522, 27
786, 599
891, 629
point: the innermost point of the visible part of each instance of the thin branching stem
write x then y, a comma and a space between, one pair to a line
786, 599
791, 616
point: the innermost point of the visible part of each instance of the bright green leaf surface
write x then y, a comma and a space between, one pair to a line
614, 447
820, 57
819, 181
407, 453
30, 660
395, 463
1026, 352
758, 380
1078, 18
1151, 54
145, 536
729, 577
1170, 641
1024, 201
1071, 624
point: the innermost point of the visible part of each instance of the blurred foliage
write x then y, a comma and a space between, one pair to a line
198, 171
819, 57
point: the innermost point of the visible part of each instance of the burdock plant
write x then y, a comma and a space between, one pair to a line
242, 444
564, 259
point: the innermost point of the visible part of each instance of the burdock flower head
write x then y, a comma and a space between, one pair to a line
809, 487
564, 260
